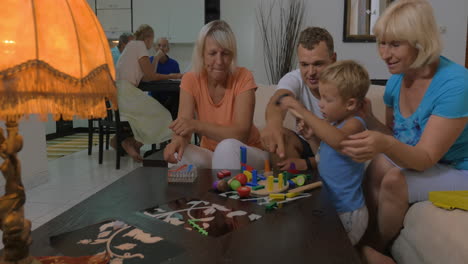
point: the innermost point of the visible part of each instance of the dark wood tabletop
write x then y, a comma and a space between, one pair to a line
303, 231
166, 86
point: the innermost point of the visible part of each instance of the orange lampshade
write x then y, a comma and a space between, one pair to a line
54, 58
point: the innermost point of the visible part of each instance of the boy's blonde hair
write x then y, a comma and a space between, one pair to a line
412, 21
349, 77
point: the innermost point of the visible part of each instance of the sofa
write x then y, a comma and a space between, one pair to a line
430, 234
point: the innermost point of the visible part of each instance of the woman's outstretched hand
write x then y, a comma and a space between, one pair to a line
365, 145
176, 146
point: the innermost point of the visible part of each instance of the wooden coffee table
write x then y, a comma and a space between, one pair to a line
304, 231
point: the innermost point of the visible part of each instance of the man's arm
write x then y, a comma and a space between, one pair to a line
272, 134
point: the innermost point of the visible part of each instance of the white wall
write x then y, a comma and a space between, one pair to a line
33, 156
240, 15
329, 14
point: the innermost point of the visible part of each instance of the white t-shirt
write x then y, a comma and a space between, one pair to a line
128, 67
293, 82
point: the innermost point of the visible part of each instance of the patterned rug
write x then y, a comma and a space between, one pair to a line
59, 147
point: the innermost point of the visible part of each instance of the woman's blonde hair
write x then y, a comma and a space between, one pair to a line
412, 21
350, 78
221, 32
144, 31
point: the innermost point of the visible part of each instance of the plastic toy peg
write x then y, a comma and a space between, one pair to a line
243, 157
280, 181
267, 166
248, 174
247, 167
254, 177
287, 175
270, 182
292, 168
291, 195
243, 191
241, 178
291, 184
222, 186
258, 187
277, 196
271, 206
299, 180
235, 184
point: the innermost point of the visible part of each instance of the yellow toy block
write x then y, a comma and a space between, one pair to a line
450, 199
248, 174
280, 181
270, 182
291, 195
277, 196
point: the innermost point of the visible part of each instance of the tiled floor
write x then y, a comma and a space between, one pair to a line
72, 179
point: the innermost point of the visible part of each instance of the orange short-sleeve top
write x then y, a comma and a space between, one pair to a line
221, 113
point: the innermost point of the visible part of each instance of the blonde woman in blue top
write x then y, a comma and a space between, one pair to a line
423, 146
342, 86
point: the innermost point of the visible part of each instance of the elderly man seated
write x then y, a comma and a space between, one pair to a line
117, 50
166, 65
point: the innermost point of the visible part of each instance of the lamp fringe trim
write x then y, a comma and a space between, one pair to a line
34, 87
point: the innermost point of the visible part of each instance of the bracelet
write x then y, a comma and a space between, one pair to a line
309, 164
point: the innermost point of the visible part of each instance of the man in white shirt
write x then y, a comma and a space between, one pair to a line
315, 51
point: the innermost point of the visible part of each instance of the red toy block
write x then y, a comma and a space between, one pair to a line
223, 173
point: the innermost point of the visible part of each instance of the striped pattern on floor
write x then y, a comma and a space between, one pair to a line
59, 147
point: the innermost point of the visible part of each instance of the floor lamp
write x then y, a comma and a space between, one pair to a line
54, 59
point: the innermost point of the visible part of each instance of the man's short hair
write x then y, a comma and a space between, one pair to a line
125, 38
350, 78
312, 36
411, 21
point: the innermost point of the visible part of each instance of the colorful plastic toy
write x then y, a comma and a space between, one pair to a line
222, 186
235, 184
241, 178
223, 173
243, 191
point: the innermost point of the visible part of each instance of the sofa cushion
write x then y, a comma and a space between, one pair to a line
432, 235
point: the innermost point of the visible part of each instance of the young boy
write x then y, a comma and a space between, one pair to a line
343, 87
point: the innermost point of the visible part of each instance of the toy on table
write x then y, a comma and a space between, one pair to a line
200, 229
270, 187
292, 168
243, 160
267, 170
183, 174
223, 174
307, 187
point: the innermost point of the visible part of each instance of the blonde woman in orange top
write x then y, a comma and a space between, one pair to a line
217, 101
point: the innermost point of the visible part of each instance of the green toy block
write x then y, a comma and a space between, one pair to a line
271, 206
258, 187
